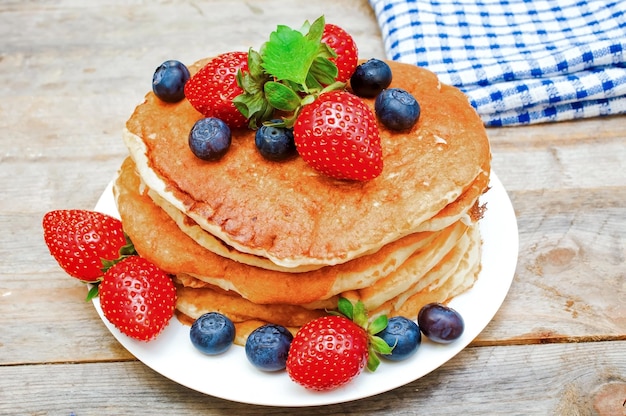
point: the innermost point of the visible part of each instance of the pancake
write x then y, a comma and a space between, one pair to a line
277, 242
455, 273
158, 238
457, 210
434, 267
289, 214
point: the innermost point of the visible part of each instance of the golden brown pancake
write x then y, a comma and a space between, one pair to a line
288, 213
158, 238
453, 212
277, 242
434, 267
455, 273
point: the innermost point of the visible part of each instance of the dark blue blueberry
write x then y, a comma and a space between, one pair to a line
267, 347
168, 81
404, 334
440, 323
370, 78
275, 143
209, 138
212, 333
397, 109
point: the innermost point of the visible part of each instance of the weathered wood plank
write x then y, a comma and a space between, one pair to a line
557, 379
70, 74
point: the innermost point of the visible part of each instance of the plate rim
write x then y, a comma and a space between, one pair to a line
361, 387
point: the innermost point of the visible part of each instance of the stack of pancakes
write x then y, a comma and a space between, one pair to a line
278, 242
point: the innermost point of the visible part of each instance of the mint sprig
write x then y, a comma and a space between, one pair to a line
291, 69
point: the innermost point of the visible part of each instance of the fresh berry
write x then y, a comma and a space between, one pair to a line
440, 323
138, 298
344, 46
337, 135
292, 68
327, 352
397, 109
209, 138
275, 143
80, 239
267, 347
212, 89
370, 78
403, 335
212, 333
168, 81
330, 351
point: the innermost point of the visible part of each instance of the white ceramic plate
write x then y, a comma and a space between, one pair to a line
230, 376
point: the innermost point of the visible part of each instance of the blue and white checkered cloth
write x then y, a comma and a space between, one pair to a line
518, 61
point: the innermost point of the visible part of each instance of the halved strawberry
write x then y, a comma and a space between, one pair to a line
138, 298
338, 135
345, 47
80, 240
330, 351
212, 89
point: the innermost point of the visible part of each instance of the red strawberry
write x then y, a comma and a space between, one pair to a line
80, 239
330, 351
327, 352
138, 298
344, 46
337, 135
211, 90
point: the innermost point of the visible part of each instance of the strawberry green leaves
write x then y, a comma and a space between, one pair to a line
358, 314
290, 70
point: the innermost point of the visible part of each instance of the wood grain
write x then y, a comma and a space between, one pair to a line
516, 380
71, 73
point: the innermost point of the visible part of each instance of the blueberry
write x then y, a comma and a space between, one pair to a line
404, 334
397, 109
212, 333
275, 143
168, 81
440, 323
370, 78
267, 347
209, 138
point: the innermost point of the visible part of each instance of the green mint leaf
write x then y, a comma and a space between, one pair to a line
281, 96
255, 64
288, 55
324, 71
315, 31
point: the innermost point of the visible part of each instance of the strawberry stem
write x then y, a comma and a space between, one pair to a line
291, 70
93, 292
126, 250
358, 314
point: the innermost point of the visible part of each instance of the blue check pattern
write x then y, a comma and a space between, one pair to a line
518, 61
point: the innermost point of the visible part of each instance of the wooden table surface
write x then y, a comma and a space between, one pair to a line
71, 73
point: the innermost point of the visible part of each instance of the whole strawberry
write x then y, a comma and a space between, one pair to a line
330, 351
79, 240
345, 47
338, 135
138, 298
212, 89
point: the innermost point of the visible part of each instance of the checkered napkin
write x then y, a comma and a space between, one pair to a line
518, 61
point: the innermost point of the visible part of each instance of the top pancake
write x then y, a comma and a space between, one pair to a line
294, 216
